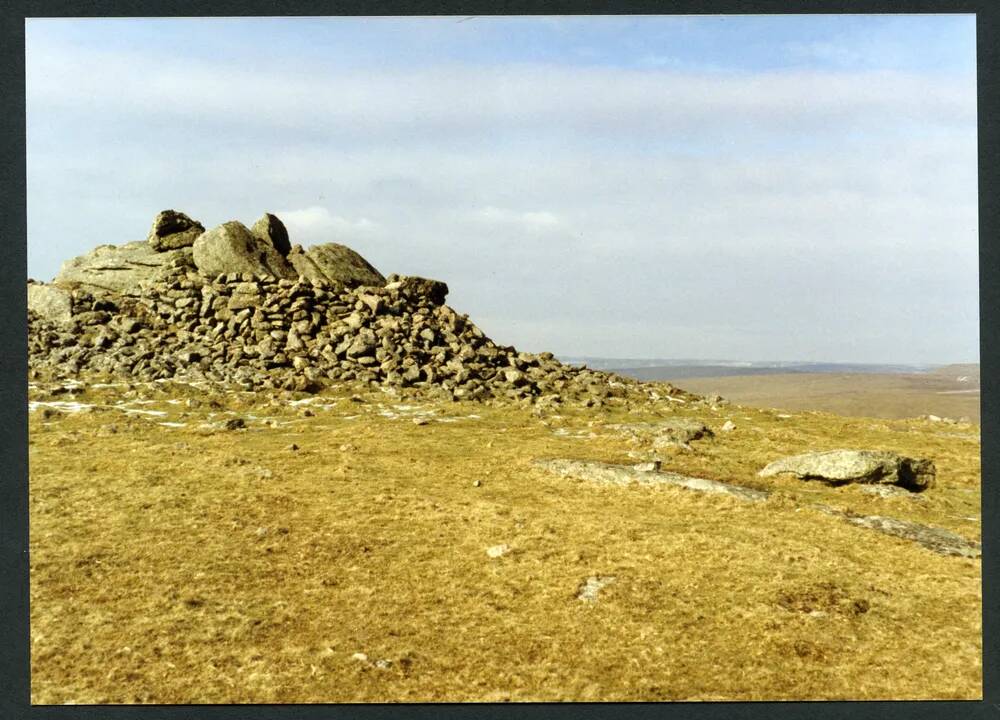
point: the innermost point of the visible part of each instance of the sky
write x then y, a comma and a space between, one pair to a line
731, 187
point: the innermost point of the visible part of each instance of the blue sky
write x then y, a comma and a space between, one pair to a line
760, 187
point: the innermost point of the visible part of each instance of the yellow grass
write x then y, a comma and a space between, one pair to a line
188, 565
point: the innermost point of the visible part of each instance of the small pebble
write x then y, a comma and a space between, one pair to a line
497, 550
476, 483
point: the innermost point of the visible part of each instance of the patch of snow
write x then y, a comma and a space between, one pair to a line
64, 405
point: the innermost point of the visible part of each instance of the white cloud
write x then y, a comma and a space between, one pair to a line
617, 209
312, 225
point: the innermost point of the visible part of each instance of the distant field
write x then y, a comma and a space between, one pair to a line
850, 394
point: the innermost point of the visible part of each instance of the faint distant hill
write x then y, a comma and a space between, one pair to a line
677, 369
964, 373
853, 389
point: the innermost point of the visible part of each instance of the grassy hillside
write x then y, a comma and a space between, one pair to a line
335, 549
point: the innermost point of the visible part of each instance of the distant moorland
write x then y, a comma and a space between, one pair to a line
883, 391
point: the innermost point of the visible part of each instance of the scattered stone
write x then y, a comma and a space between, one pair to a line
651, 466
476, 483
940, 541
937, 540
889, 491
234, 424
676, 432
360, 657
497, 551
293, 447
420, 421
592, 586
839, 467
607, 473
729, 426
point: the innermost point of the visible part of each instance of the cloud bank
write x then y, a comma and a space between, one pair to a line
809, 214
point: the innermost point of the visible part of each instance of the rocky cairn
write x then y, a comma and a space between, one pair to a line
242, 305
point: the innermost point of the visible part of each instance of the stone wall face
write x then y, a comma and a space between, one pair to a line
170, 317
263, 333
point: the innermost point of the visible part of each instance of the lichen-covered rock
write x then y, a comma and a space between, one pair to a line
231, 309
262, 332
272, 231
333, 264
173, 230
434, 290
123, 268
52, 303
232, 248
840, 467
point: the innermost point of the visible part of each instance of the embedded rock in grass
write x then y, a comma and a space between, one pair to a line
625, 475
333, 264
496, 551
676, 432
840, 467
232, 248
173, 230
680, 431
943, 542
594, 584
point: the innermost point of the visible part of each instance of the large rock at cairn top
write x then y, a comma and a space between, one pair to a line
172, 230
272, 231
334, 264
419, 287
123, 268
840, 467
231, 248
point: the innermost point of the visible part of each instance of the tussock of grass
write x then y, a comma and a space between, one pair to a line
177, 565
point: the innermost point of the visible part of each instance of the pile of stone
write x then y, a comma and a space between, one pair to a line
241, 305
